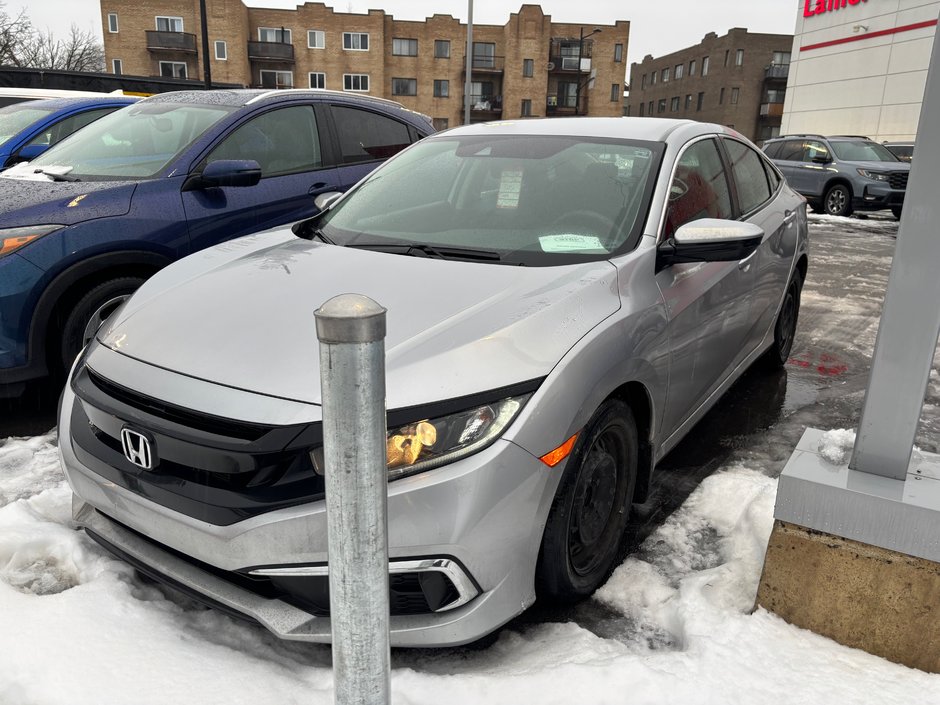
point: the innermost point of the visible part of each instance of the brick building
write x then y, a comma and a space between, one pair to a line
737, 80
528, 67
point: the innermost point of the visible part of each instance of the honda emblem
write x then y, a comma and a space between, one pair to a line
137, 448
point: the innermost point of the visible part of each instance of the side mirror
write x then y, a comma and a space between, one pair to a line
225, 172
709, 240
325, 200
29, 152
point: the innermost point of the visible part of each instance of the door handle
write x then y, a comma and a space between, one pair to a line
789, 217
318, 187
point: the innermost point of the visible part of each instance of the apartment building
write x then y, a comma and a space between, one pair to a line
738, 80
530, 66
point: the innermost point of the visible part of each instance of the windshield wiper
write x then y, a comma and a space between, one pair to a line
438, 252
55, 175
308, 231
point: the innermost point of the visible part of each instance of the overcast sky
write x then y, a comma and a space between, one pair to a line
657, 26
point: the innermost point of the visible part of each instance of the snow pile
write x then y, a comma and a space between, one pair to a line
836, 444
674, 624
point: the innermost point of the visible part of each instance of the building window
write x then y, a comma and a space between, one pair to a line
405, 47
117, 67
277, 79
318, 80
221, 51
688, 102
691, 68
169, 24
651, 108
704, 65
653, 76
721, 96
700, 102
316, 39
678, 72
356, 82
615, 92
774, 95
441, 89
526, 109
618, 52
642, 105
355, 41
441, 50
278, 35
112, 22
404, 86
727, 54
674, 104
484, 55
661, 106
440, 123
173, 69
665, 75
528, 68
739, 57
643, 82
734, 95
781, 58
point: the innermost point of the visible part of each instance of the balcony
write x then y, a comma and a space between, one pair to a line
485, 64
565, 105
485, 105
771, 110
563, 55
279, 52
777, 71
171, 41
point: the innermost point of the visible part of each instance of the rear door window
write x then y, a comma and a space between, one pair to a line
791, 151
365, 136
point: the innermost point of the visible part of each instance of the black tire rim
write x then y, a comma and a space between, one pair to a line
836, 200
598, 497
787, 324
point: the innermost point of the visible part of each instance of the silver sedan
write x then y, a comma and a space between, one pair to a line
566, 299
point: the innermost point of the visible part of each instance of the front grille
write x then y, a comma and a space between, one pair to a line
898, 179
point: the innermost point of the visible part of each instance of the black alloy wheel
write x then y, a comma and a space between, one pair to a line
785, 327
838, 200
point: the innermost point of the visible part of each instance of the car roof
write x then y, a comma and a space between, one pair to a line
638, 128
64, 103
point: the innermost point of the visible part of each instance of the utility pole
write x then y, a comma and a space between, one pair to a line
577, 91
206, 71
466, 83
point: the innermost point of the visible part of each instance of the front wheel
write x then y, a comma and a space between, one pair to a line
838, 200
591, 508
90, 312
785, 327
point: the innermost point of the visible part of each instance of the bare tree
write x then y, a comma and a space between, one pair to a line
13, 32
80, 51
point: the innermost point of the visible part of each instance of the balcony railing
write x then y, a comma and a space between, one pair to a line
171, 41
271, 51
777, 71
486, 64
771, 110
484, 103
566, 63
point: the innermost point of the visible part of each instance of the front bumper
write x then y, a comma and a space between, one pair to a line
483, 514
878, 196
18, 281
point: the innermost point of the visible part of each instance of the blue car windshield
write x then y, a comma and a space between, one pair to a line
16, 118
520, 199
136, 142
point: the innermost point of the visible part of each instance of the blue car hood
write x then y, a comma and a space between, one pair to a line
28, 202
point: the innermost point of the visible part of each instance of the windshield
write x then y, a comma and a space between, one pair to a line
862, 151
15, 118
132, 143
518, 199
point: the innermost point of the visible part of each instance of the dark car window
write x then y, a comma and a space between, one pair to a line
813, 149
282, 141
904, 152
64, 128
773, 149
366, 136
749, 176
699, 188
791, 151
862, 151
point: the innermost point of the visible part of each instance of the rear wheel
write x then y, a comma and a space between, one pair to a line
91, 310
785, 327
838, 200
591, 508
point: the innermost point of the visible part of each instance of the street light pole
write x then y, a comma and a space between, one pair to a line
466, 84
577, 91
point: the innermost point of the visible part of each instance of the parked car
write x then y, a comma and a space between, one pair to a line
841, 174
29, 128
83, 225
11, 95
902, 150
566, 299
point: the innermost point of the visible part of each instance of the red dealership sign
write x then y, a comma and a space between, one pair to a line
820, 7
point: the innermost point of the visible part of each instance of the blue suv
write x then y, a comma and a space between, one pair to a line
84, 224
29, 128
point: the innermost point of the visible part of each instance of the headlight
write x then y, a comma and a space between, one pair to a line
12, 239
875, 175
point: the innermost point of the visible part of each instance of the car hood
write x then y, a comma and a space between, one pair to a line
31, 202
882, 166
241, 315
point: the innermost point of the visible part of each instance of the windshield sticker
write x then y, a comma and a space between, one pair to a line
571, 243
510, 184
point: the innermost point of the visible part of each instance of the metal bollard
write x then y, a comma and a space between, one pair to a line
351, 331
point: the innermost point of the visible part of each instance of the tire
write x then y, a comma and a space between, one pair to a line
838, 200
896, 211
785, 325
90, 312
817, 206
591, 507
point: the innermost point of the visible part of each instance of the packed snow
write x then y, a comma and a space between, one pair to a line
676, 624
